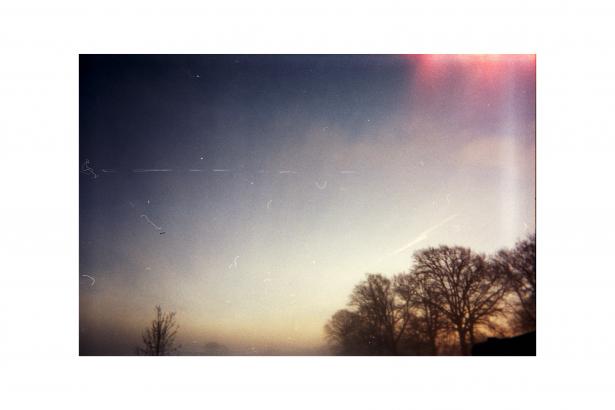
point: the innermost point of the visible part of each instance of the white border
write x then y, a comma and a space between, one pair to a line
40, 43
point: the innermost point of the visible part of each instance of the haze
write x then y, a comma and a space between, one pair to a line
273, 184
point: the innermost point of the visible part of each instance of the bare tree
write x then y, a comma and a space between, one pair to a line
346, 334
519, 266
388, 317
159, 337
428, 322
384, 315
463, 287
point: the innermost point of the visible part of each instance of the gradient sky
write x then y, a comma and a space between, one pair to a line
328, 167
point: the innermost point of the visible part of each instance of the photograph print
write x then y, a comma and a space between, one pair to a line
294, 205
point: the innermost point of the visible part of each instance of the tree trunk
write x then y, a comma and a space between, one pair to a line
433, 347
392, 346
463, 346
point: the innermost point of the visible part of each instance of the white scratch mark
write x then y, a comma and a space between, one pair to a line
91, 278
85, 168
269, 203
422, 236
108, 170
287, 172
347, 171
151, 223
139, 170
234, 264
195, 170
321, 187
221, 170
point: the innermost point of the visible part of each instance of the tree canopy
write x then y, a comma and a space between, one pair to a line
449, 293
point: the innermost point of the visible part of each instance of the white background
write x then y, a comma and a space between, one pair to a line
39, 46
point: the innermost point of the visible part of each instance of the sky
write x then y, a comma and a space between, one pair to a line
250, 193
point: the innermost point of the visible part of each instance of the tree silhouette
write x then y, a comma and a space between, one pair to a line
428, 322
464, 287
375, 323
159, 337
346, 334
519, 266
450, 297
384, 315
